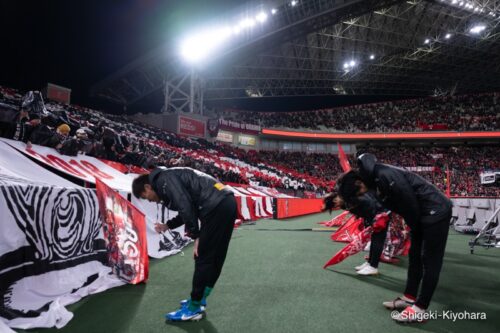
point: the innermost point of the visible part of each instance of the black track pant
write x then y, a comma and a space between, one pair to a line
215, 234
426, 259
377, 247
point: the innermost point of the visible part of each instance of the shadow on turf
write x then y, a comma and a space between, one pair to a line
202, 326
382, 281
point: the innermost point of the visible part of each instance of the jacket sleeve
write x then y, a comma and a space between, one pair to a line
393, 184
175, 222
181, 199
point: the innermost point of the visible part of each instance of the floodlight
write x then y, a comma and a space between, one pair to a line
261, 17
477, 29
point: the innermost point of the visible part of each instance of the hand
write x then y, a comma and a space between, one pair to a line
195, 251
160, 227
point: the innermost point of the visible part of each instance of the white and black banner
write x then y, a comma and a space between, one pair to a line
51, 251
167, 243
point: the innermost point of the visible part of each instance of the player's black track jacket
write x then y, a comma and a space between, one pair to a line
404, 192
192, 193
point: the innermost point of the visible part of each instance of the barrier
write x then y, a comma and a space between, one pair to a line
471, 214
290, 207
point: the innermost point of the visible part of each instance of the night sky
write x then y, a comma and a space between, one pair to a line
77, 43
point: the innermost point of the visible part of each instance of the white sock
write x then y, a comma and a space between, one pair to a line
417, 309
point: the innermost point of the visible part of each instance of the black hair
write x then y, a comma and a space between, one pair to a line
138, 185
348, 186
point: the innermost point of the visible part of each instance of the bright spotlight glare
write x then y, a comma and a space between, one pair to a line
447, 36
261, 17
427, 41
247, 23
200, 46
352, 63
477, 29
372, 56
274, 11
294, 3
346, 65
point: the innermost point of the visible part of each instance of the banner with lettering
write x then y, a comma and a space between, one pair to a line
82, 167
239, 127
125, 234
191, 127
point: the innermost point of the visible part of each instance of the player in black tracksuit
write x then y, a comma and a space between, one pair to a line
425, 209
196, 196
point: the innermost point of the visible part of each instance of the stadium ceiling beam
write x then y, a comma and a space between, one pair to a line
289, 23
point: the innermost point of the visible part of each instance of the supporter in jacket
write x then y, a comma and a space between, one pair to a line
425, 209
196, 196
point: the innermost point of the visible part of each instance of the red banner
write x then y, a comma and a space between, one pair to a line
125, 233
290, 207
191, 127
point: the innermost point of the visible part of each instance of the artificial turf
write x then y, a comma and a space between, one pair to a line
273, 281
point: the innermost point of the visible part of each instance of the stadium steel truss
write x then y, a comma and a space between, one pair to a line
329, 47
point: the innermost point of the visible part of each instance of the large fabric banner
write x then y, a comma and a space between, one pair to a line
52, 251
125, 235
167, 243
253, 204
82, 167
13, 163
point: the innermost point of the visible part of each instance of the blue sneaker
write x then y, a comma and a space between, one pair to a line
185, 303
184, 314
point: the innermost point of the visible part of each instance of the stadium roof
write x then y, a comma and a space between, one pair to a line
328, 47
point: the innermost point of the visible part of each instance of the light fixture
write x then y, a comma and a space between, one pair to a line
346, 65
261, 17
274, 11
427, 41
372, 56
294, 3
447, 36
352, 63
477, 29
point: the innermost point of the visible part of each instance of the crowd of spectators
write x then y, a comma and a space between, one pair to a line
71, 130
479, 112
464, 165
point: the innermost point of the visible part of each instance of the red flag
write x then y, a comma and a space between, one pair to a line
347, 232
357, 244
344, 162
338, 220
124, 230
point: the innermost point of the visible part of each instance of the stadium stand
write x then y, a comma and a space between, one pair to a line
480, 112
137, 145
